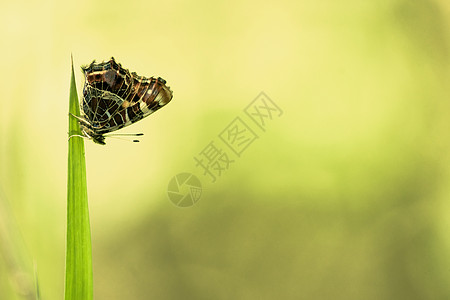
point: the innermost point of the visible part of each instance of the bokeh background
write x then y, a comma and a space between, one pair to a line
344, 196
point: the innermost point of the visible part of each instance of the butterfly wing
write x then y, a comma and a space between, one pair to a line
114, 98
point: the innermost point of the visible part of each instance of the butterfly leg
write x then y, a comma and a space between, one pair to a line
84, 136
73, 135
81, 120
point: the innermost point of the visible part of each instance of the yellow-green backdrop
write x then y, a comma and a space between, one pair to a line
342, 196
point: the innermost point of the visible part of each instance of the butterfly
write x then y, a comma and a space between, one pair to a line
114, 98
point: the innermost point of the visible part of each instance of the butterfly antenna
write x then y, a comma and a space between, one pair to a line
120, 135
123, 139
123, 134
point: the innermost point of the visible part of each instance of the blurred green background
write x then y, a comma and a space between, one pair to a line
345, 196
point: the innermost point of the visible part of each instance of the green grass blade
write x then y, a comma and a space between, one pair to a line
79, 250
36, 283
